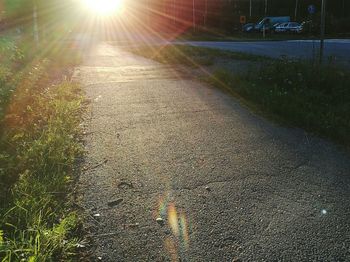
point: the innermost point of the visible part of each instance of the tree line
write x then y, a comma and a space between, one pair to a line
225, 14
174, 14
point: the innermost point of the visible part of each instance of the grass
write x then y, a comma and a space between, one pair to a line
297, 93
39, 146
10, 55
240, 36
312, 97
222, 36
191, 55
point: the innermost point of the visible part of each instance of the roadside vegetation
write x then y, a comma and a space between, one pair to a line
40, 112
191, 55
313, 97
298, 93
211, 35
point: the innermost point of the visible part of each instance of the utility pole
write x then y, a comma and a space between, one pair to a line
250, 8
265, 7
296, 10
323, 25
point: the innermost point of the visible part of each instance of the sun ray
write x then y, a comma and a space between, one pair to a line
104, 7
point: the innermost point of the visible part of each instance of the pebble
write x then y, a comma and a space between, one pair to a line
160, 220
207, 188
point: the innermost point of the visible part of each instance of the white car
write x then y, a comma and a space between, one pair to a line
293, 27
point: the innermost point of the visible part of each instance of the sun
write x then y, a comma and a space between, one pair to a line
104, 7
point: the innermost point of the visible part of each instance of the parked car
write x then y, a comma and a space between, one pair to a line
292, 27
273, 29
269, 21
248, 27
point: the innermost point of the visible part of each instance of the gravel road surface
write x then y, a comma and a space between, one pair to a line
178, 171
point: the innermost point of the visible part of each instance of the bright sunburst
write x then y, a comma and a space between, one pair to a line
104, 7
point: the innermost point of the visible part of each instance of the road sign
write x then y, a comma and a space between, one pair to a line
243, 19
311, 9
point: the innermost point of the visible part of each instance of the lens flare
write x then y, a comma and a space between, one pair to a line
184, 231
171, 247
104, 7
173, 220
178, 243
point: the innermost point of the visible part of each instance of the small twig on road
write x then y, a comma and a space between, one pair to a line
96, 166
125, 226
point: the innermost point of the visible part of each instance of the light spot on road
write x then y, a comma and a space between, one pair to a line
177, 222
98, 98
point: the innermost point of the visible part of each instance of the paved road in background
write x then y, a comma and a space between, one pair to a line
227, 184
339, 49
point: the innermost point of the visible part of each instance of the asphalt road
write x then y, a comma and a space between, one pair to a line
337, 49
227, 184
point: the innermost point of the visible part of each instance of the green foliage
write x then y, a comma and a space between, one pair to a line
39, 243
1, 239
38, 147
34, 228
6, 58
39, 119
9, 51
14, 8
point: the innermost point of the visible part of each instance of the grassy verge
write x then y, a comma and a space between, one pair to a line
215, 35
40, 116
312, 97
240, 36
190, 55
299, 93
